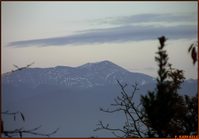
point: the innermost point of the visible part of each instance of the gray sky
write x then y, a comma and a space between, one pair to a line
74, 33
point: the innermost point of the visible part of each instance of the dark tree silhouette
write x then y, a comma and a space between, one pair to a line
163, 105
162, 112
190, 119
193, 51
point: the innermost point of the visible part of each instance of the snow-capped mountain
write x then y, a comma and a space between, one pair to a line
88, 75
70, 97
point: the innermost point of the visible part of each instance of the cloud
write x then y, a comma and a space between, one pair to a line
114, 35
151, 17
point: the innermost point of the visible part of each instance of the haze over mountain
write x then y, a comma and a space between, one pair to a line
70, 97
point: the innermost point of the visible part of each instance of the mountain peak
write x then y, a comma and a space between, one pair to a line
102, 65
105, 62
100, 62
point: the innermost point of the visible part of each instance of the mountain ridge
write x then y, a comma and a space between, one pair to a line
89, 75
86, 75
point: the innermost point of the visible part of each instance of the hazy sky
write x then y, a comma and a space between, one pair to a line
74, 33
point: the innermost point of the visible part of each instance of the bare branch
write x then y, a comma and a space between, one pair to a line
14, 114
20, 131
106, 127
33, 131
133, 116
22, 68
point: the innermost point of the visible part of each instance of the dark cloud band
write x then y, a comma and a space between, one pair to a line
151, 17
114, 35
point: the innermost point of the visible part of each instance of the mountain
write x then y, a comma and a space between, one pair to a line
88, 75
70, 97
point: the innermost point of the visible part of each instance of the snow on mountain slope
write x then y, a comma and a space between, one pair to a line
88, 75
